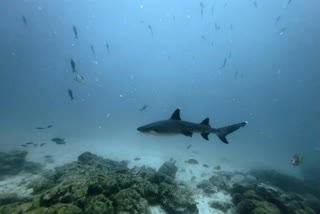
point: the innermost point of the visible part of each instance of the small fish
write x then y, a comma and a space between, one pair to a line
151, 31
75, 32
289, 2
50, 126
216, 26
23, 145
202, 7
42, 144
224, 63
282, 31
217, 167
278, 19
24, 19
29, 143
255, 4
107, 46
40, 128
191, 161
203, 38
212, 9
225, 5
205, 165
70, 94
296, 159
79, 78
48, 156
137, 159
58, 140
236, 73
230, 54
144, 107
73, 65
92, 50
189, 146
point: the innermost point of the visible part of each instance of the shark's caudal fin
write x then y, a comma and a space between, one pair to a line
224, 131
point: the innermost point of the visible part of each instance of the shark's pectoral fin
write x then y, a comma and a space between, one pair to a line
187, 133
205, 135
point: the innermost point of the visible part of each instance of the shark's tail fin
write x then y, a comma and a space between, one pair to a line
224, 131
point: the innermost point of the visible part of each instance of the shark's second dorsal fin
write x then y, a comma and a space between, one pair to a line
176, 115
205, 122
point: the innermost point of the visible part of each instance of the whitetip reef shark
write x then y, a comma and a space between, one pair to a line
175, 126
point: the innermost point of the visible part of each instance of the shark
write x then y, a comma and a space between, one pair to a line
176, 126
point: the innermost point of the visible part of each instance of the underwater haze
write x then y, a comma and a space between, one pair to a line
88, 73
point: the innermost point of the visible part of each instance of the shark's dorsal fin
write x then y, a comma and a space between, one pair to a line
205, 122
176, 115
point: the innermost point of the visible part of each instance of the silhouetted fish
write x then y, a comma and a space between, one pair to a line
151, 31
24, 19
277, 19
144, 107
203, 38
29, 143
107, 46
255, 4
75, 32
73, 65
58, 140
188, 147
216, 26
202, 7
224, 63
92, 50
42, 144
70, 94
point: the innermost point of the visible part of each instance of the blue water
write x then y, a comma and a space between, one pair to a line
270, 80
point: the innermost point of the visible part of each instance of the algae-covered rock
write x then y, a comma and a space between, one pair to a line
175, 201
129, 200
99, 204
224, 206
207, 187
248, 206
168, 168
60, 208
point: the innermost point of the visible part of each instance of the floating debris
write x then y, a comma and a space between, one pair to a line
191, 161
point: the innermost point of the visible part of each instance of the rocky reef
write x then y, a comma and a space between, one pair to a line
94, 185
14, 162
252, 196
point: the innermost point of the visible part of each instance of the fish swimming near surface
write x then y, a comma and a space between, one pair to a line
151, 31
29, 143
92, 49
175, 126
202, 7
75, 32
24, 19
79, 78
58, 140
144, 107
278, 19
73, 65
70, 94
224, 63
41, 128
107, 46
50, 126
216, 26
